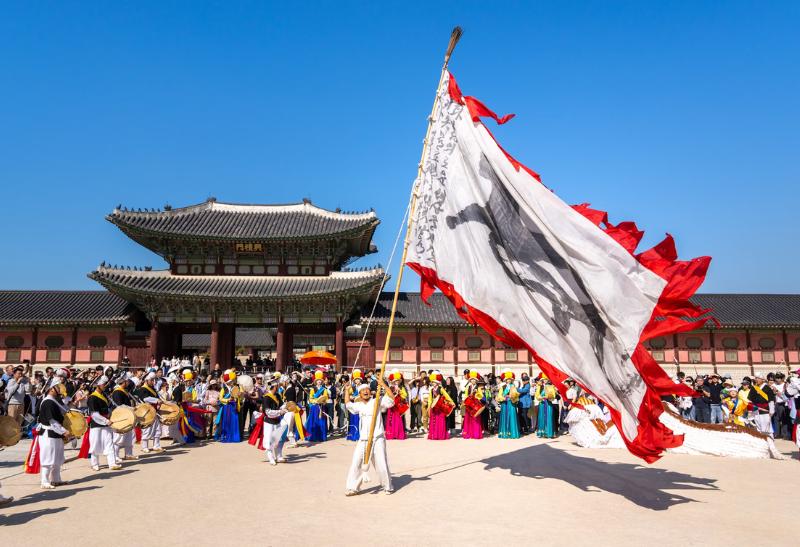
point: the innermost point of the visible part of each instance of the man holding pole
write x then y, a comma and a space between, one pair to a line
364, 406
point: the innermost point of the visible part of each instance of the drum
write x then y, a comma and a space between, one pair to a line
322, 398
400, 404
75, 423
145, 414
169, 413
123, 419
236, 392
10, 431
245, 382
473, 406
188, 396
443, 405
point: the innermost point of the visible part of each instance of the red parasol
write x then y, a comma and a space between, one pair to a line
318, 357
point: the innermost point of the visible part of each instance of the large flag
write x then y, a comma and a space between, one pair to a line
539, 274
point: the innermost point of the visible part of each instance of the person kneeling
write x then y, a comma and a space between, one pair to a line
364, 407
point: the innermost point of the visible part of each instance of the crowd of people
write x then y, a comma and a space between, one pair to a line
271, 408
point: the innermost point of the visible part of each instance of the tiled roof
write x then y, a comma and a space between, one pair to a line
215, 220
753, 310
248, 338
412, 311
165, 284
62, 308
732, 310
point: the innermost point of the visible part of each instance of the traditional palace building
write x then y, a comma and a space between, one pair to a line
273, 279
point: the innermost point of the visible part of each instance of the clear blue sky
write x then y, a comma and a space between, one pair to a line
682, 116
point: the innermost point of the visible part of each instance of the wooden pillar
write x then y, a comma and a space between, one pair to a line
74, 347
713, 351
154, 348
227, 344
749, 351
34, 343
785, 340
341, 350
418, 348
289, 346
491, 353
121, 346
455, 351
214, 350
530, 361
280, 346
677, 354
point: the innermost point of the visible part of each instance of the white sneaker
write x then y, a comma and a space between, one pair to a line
388, 491
350, 492
145, 450
96, 468
6, 501
48, 486
281, 460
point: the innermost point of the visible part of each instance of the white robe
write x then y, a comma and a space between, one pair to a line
378, 458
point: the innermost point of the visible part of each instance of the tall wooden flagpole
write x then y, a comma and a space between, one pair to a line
454, 37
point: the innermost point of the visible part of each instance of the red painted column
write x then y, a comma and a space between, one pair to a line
455, 351
713, 350
74, 348
34, 343
418, 349
154, 342
214, 350
491, 353
749, 351
280, 346
341, 351
121, 347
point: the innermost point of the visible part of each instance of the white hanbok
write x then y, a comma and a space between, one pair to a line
378, 458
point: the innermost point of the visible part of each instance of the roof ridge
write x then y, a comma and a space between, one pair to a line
214, 205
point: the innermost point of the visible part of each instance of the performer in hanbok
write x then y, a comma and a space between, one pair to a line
293, 392
123, 441
147, 393
472, 427
51, 434
546, 395
395, 426
274, 428
101, 441
437, 422
733, 408
508, 398
352, 419
227, 420
364, 408
192, 424
316, 424
762, 403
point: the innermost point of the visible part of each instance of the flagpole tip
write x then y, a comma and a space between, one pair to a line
455, 36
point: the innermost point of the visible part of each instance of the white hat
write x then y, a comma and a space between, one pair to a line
150, 376
134, 380
103, 380
363, 386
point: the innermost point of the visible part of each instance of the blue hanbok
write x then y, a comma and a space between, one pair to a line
227, 420
508, 428
316, 423
545, 422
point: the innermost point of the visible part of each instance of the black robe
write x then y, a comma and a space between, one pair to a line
49, 410
267, 403
96, 404
120, 398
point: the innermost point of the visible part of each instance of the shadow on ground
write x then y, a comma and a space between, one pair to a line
27, 516
59, 493
644, 486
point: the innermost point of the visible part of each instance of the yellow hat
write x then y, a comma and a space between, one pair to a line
356, 373
436, 376
318, 375
473, 374
188, 374
507, 375
395, 376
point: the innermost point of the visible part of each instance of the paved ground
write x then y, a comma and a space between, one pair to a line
447, 492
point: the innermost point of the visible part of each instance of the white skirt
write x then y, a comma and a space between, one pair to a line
100, 441
51, 451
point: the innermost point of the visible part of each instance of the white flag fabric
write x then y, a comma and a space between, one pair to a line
538, 273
